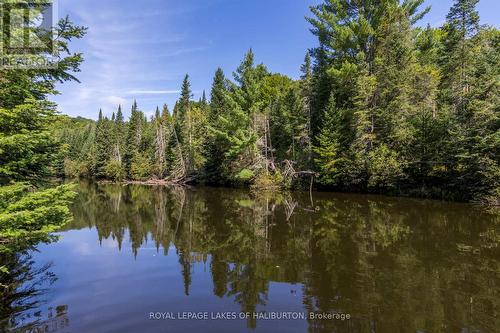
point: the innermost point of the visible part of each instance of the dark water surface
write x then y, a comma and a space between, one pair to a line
387, 264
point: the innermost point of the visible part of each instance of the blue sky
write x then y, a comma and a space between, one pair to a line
142, 49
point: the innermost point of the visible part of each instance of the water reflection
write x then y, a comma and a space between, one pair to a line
23, 295
394, 265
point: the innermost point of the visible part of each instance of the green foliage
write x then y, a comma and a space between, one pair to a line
184, 101
245, 175
77, 135
76, 169
268, 182
140, 167
102, 145
414, 107
385, 168
214, 147
133, 138
380, 106
27, 216
29, 151
114, 170
329, 158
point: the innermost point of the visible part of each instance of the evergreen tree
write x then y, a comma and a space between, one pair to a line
114, 167
184, 101
119, 115
329, 158
134, 139
470, 63
248, 77
103, 152
120, 130
213, 169
462, 24
160, 143
306, 87
217, 95
204, 99
29, 212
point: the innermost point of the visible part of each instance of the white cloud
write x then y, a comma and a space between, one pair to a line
114, 100
120, 49
152, 92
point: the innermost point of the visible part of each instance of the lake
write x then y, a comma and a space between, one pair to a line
158, 259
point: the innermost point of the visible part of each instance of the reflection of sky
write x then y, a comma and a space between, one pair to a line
107, 290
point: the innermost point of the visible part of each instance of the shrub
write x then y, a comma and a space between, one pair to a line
114, 170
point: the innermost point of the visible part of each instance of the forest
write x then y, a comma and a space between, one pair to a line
381, 106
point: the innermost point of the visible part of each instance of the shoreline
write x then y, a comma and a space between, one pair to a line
149, 182
163, 182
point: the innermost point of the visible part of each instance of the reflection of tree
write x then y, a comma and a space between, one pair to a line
22, 292
392, 264
220, 273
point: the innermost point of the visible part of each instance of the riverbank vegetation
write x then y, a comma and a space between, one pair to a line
382, 106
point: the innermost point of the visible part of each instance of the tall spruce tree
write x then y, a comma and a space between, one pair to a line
103, 148
306, 87
462, 25
134, 138
213, 169
470, 63
120, 130
185, 100
329, 159
160, 144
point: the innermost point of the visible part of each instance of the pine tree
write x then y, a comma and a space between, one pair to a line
119, 115
103, 152
134, 139
204, 99
160, 144
217, 96
306, 68
470, 64
248, 77
114, 168
457, 61
329, 159
213, 168
370, 69
120, 130
306, 86
184, 101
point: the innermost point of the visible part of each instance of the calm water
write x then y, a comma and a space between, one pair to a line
387, 264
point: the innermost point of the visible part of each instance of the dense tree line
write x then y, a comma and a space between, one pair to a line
381, 106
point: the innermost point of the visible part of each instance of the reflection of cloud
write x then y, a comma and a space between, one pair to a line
83, 248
